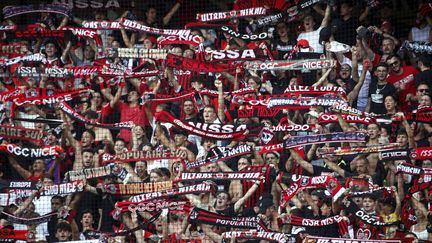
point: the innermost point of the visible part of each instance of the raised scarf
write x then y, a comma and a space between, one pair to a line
134, 25
44, 152
10, 95
197, 188
13, 49
137, 53
184, 63
75, 115
217, 154
15, 234
332, 151
21, 133
299, 183
246, 37
156, 205
194, 40
138, 188
252, 235
50, 99
63, 9
318, 239
214, 176
335, 137
29, 221
340, 220
410, 169
137, 155
38, 57
311, 90
306, 64
332, 118
235, 55
249, 12
214, 131
360, 214
205, 217
418, 47
88, 173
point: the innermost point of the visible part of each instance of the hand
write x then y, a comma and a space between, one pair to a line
218, 84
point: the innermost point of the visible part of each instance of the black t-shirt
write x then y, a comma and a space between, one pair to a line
283, 48
377, 93
346, 31
424, 77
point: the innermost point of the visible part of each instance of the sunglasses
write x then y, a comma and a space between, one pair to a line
423, 90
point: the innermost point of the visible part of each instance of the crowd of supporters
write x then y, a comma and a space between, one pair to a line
365, 44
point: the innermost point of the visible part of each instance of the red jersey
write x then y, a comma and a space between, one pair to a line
405, 84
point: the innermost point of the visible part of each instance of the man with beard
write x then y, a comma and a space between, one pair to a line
403, 78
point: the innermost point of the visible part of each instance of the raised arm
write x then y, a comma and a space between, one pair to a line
246, 196
326, 19
334, 167
303, 163
117, 96
221, 103
354, 93
23, 172
167, 18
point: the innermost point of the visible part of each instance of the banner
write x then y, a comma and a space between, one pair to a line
21, 133
306, 64
11, 11
249, 12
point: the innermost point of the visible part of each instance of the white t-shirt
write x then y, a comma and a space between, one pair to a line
313, 39
364, 90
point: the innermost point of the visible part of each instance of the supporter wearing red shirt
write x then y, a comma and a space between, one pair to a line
129, 111
403, 78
